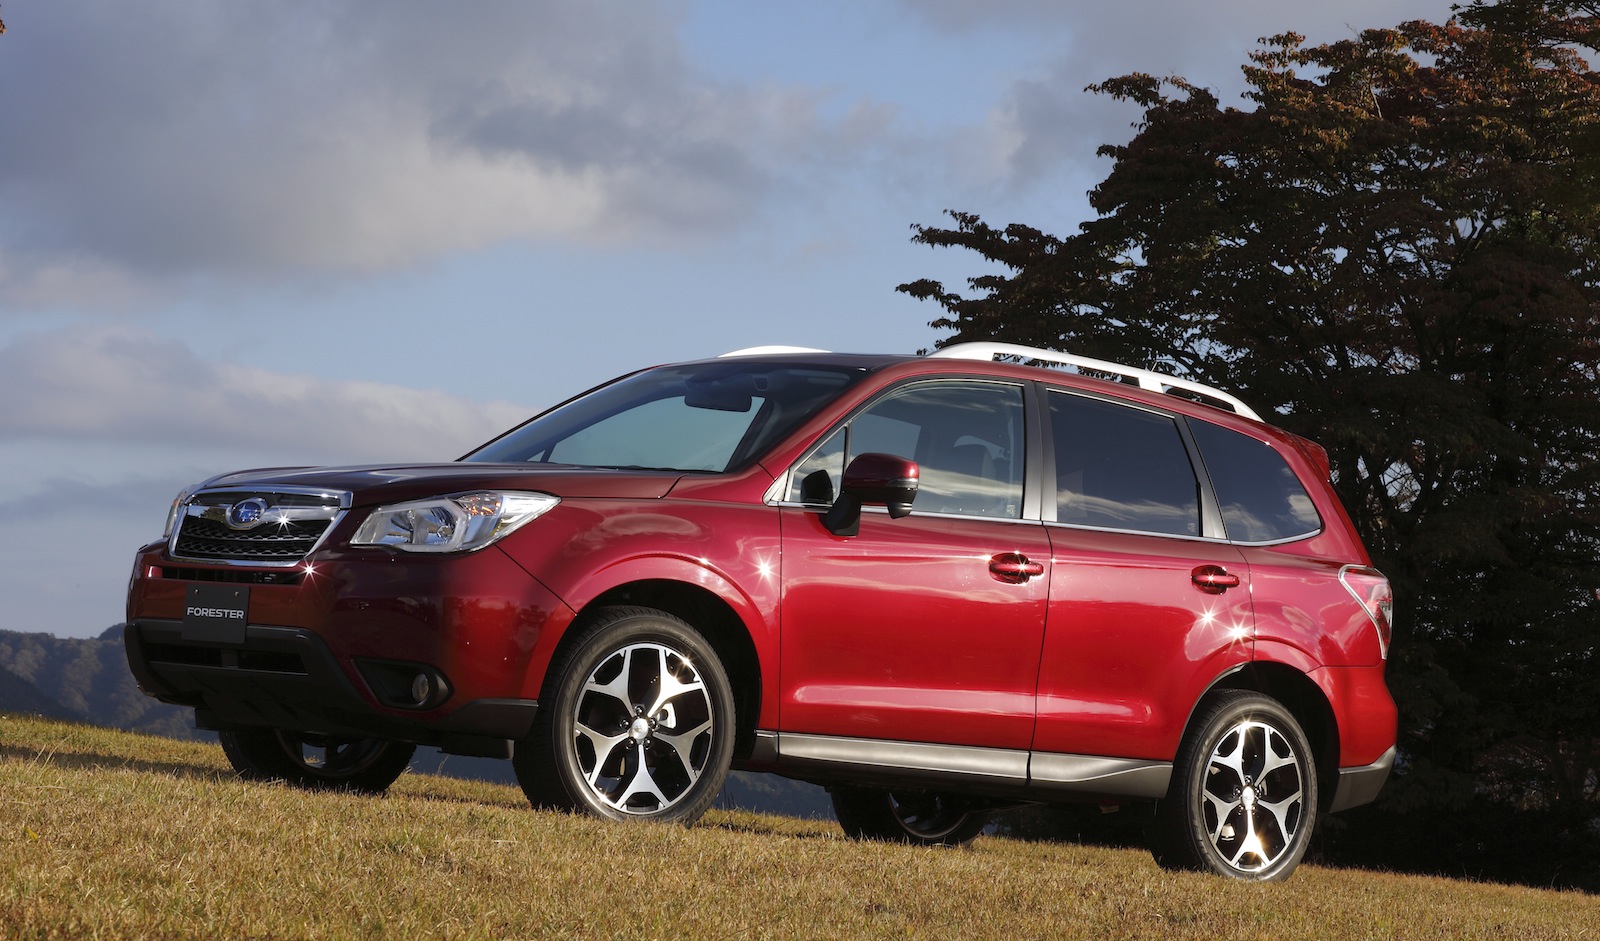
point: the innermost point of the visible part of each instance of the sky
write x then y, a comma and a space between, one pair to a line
347, 231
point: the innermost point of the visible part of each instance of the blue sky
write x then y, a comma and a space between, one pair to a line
341, 232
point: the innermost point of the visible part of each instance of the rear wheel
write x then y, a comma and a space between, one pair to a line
925, 818
315, 761
1243, 800
636, 723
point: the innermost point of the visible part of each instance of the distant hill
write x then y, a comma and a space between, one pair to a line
87, 680
21, 697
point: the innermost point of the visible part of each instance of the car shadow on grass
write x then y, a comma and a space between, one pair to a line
96, 761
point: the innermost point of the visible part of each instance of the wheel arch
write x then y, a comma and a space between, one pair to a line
714, 619
1306, 702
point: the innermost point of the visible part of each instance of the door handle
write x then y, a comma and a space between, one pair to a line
1213, 579
1014, 568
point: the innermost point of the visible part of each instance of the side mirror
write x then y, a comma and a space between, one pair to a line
872, 480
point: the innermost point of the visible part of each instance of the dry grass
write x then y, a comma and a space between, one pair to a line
109, 835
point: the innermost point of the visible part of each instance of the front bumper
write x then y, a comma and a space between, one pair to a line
287, 678
334, 646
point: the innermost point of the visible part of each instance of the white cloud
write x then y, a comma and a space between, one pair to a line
201, 138
126, 386
103, 424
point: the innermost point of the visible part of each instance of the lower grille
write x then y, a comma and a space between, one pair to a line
261, 661
230, 576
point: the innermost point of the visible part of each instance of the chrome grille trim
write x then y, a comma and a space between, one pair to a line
295, 523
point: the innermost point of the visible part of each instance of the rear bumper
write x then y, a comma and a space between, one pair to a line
1359, 786
287, 678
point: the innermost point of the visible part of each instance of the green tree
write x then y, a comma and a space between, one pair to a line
1392, 250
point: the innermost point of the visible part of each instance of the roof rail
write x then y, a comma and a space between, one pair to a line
1152, 381
765, 350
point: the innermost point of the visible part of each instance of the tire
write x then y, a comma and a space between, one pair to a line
317, 762
923, 818
636, 722
1243, 800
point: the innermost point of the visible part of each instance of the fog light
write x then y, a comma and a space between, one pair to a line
421, 689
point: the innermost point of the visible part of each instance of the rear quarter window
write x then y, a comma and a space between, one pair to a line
1261, 498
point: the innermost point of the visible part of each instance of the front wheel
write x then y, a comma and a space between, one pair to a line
924, 818
315, 761
636, 722
1243, 800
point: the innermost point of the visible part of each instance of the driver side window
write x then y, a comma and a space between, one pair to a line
966, 437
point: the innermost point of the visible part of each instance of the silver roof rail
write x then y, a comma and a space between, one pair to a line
765, 350
1152, 381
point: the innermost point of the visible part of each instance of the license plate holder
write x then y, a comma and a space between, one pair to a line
216, 613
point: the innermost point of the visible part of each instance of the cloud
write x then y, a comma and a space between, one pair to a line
1051, 126
198, 138
124, 386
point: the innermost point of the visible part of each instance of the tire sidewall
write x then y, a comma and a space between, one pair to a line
1183, 813
868, 813
613, 632
265, 755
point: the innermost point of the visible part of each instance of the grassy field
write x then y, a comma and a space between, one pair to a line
109, 835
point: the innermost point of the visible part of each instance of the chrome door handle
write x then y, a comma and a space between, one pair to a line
1213, 579
1014, 568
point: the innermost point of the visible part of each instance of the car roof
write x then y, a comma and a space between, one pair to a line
1018, 362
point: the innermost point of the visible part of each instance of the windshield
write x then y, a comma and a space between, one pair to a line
696, 417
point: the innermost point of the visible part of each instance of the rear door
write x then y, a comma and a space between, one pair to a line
1148, 604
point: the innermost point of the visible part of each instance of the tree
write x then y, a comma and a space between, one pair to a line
1394, 252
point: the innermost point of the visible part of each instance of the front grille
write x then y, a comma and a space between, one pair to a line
276, 542
280, 528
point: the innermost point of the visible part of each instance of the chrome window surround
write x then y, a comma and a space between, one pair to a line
335, 504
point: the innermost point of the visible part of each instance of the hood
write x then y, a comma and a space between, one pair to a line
385, 483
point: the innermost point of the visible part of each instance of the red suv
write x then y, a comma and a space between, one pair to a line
937, 585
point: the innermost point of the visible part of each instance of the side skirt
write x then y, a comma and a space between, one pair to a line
1043, 776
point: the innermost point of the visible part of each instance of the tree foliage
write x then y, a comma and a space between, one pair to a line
1393, 249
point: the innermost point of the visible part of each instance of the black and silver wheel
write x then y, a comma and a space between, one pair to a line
315, 761
926, 818
1243, 800
636, 722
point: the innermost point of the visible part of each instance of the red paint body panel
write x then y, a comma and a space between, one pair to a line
1301, 604
1368, 720
1132, 642
903, 633
592, 547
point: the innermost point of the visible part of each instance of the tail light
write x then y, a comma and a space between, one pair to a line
1371, 590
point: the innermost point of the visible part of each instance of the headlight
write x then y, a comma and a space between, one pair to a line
177, 504
458, 523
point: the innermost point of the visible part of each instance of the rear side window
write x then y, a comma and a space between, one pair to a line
1122, 468
1262, 500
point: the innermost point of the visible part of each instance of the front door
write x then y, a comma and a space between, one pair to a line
925, 629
